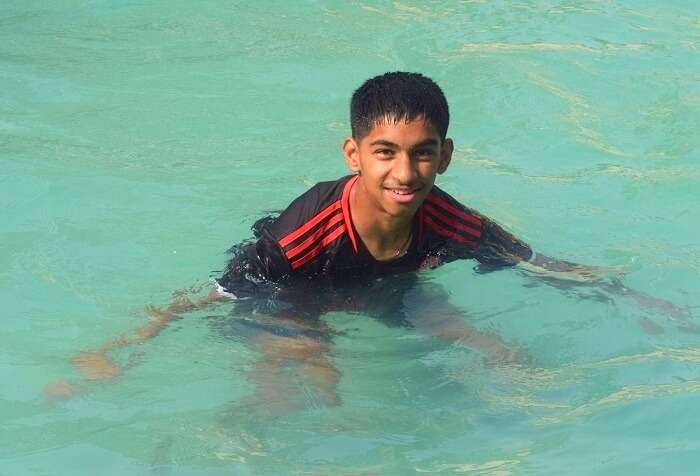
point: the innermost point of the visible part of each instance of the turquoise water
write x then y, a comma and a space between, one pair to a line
138, 141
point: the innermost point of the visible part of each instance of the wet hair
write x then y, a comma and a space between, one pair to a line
399, 96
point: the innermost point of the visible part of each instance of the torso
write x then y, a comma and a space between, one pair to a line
325, 241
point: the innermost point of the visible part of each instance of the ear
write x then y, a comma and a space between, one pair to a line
351, 154
446, 150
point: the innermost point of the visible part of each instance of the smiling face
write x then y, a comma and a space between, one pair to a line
397, 162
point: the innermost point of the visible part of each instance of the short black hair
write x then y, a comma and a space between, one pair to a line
401, 96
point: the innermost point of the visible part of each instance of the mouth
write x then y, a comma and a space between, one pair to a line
402, 195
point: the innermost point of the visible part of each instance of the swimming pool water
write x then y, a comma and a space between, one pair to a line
139, 140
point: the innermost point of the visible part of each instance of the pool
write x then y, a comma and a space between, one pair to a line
138, 141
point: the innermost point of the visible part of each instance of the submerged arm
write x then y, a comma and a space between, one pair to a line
499, 248
547, 266
94, 364
565, 274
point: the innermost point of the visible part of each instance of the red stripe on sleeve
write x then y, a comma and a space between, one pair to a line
449, 234
286, 240
453, 223
432, 198
346, 210
317, 249
314, 236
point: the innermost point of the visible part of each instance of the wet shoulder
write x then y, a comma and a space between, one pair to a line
315, 206
312, 225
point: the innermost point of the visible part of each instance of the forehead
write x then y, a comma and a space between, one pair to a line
402, 132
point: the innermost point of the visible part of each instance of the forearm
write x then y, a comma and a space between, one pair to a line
565, 275
646, 301
94, 364
559, 269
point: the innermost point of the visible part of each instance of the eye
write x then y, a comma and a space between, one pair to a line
425, 154
384, 152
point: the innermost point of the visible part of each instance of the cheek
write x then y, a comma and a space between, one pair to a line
428, 170
376, 168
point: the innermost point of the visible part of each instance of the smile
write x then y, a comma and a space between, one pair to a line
402, 195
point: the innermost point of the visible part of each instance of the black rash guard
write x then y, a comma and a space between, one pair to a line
314, 241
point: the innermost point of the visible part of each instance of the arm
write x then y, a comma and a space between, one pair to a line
250, 264
565, 275
95, 365
547, 266
499, 248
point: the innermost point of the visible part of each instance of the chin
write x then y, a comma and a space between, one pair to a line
404, 210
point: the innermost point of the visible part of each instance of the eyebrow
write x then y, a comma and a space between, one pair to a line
425, 143
383, 142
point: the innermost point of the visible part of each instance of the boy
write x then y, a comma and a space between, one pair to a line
354, 244
386, 219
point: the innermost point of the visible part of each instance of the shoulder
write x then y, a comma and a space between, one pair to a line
318, 205
475, 235
470, 234
448, 218
312, 227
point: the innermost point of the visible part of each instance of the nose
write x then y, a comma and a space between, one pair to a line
404, 169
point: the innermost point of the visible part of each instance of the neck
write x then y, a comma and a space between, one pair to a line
384, 235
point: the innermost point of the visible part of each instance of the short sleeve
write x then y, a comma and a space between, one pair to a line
254, 265
467, 234
497, 248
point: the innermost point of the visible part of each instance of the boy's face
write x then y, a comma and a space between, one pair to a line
397, 163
